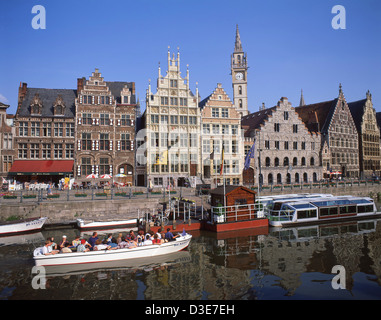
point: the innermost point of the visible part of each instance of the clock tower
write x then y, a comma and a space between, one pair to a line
239, 76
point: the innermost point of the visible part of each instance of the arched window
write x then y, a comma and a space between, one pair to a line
286, 162
240, 103
276, 162
240, 90
288, 178
270, 178
279, 178
312, 161
267, 162
296, 177
303, 161
314, 177
295, 161
305, 177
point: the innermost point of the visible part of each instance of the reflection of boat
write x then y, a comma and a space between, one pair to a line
307, 233
25, 238
309, 211
148, 251
82, 224
21, 226
129, 264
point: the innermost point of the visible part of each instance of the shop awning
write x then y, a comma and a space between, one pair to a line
41, 167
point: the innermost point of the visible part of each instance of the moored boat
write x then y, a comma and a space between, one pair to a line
90, 225
321, 210
21, 226
148, 251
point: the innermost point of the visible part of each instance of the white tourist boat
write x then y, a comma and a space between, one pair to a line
112, 224
21, 226
285, 213
148, 251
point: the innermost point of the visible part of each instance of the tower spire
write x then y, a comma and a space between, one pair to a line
238, 44
302, 103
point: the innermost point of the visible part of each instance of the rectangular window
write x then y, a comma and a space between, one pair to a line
184, 162
234, 129
276, 145
183, 120
58, 129
206, 146
86, 167
104, 119
154, 118
267, 144
173, 83
58, 151
164, 101
23, 151
206, 128
34, 150
174, 163
164, 119
46, 151
69, 150
125, 143
104, 142
295, 145
193, 140
87, 118
295, 128
23, 129
276, 127
215, 112
174, 120
104, 166
35, 129
225, 113
286, 145
183, 140
225, 129
192, 120
174, 101
7, 141
154, 139
183, 102
70, 129
86, 141
125, 120
216, 129
235, 147
46, 129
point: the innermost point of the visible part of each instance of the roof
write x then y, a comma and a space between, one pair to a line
48, 98
228, 189
317, 116
42, 166
117, 86
357, 111
255, 119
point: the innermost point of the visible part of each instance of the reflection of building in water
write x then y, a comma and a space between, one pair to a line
374, 253
328, 246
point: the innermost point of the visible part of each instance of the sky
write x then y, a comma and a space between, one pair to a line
290, 45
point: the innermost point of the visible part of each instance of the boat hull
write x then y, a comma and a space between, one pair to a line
22, 226
97, 225
113, 255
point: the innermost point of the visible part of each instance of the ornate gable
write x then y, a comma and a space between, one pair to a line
36, 105
59, 106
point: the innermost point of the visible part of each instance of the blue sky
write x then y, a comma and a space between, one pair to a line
290, 46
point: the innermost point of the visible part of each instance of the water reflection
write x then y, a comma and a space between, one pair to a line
293, 263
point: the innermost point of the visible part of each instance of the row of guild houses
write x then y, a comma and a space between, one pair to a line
182, 139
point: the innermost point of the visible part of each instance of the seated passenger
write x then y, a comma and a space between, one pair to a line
156, 239
131, 244
76, 242
82, 246
147, 240
100, 245
113, 244
123, 243
47, 248
169, 235
66, 248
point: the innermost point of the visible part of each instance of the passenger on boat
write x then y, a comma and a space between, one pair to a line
113, 244
123, 243
101, 245
75, 242
131, 234
119, 239
47, 248
132, 244
156, 239
109, 238
159, 233
63, 242
66, 248
148, 240
53, 244
82, 246
169, 235
92, 240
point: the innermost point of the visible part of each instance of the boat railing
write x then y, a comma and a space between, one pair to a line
281, 215
222, 214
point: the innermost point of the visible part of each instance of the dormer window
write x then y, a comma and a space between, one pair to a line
59, 106
36, 105
126, 99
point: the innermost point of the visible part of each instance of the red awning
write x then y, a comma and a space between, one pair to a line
35, 167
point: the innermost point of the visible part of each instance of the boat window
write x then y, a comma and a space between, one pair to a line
306, 214
347, 209
302, 206
328, 211
277, 205
366, 208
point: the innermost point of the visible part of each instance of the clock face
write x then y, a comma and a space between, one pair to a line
239, 76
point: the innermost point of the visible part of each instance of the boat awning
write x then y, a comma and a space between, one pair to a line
41, 167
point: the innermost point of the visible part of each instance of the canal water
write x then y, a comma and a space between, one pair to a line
286, 264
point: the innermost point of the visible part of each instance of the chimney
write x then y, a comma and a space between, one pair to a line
22, 92
80, 84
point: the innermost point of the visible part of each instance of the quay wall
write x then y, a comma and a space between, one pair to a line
66, 212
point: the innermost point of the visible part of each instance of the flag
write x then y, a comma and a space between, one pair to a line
162, 158
222, 160
211, 157
249, 156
